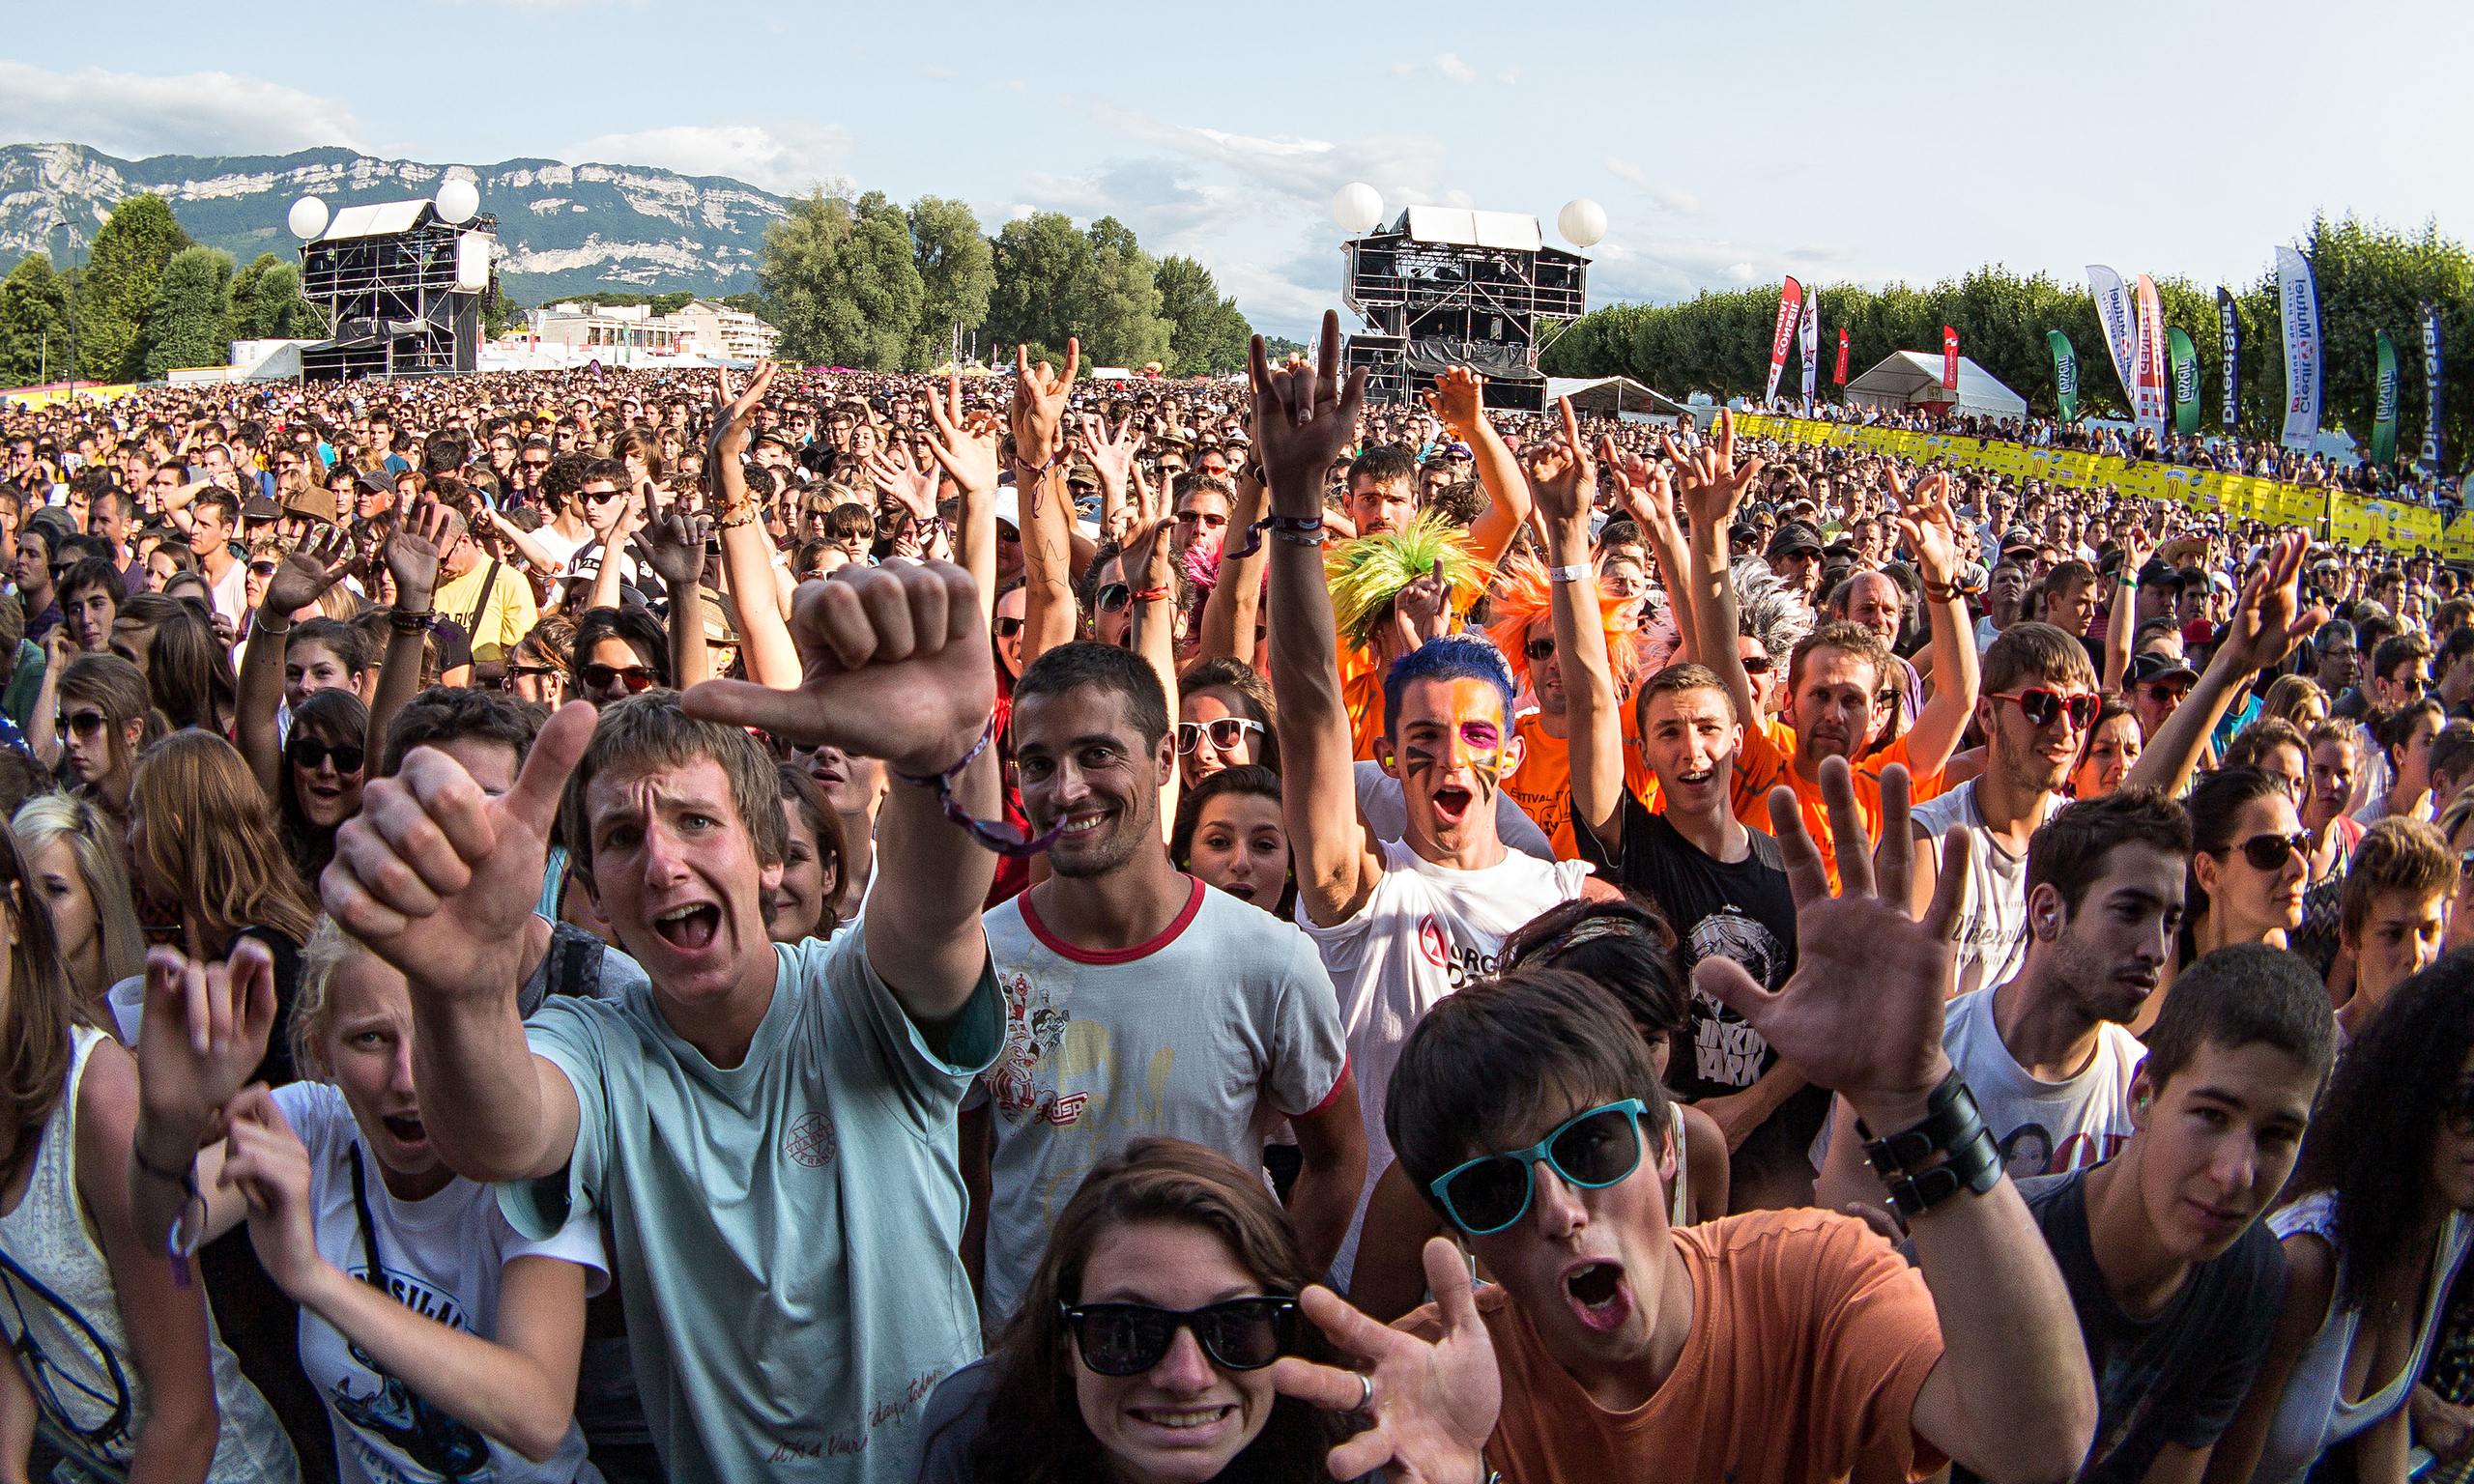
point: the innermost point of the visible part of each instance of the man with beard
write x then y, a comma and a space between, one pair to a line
1873, 601
2051, 1048
1138, 1000
1767, 1348
1835, 676
2039, 702
1401, 924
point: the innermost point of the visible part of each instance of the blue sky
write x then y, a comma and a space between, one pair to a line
1729, 144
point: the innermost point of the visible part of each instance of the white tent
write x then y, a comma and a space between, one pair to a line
1913, 378
1619, 395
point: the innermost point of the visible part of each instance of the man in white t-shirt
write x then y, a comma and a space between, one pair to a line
2038, 701
2049, 1054
605, 497
1138, 1000
1400, 922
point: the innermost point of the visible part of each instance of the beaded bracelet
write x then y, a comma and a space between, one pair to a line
736, 517
1001, 836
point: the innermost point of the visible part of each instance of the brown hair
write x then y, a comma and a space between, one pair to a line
1848, 638
209, 833
2037, 651
2253, 743
651, 730
1034, 1432
1683, 675
35, 1015
2397, 854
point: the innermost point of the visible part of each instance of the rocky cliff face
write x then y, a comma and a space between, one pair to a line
562, 229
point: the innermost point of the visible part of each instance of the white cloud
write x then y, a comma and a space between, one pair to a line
789, 159
1509, 77
1738, 272
1405, 68
1451, 66
1664, 198
133, 115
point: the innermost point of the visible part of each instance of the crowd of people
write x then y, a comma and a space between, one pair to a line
633, 925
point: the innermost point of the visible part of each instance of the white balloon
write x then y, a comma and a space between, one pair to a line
1582, 221
457, 200
308, 217
1357, 206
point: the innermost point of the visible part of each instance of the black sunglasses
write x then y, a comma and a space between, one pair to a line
2043, 707
2270, 852
1127, 1339
84, 723
1114, 598
308, 755
1008, 626
636, 677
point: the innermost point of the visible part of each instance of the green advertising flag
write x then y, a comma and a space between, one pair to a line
2185, 358
2383, 411
2066, 375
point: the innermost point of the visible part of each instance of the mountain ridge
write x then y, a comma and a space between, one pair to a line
563, 228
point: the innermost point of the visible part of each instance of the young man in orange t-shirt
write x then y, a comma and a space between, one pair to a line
1771, 1347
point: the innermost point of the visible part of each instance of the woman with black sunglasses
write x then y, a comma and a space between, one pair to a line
2250, 857
325, 764
1143, 1347
2381, 1227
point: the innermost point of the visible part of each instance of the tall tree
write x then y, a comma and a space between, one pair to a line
840, 281
1119, 315
118, 290
1039, 259
267, 302
190, 321
34, 322
1206, 334
957, 274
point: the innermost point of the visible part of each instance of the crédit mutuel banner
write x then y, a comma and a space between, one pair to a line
2148, 397
2298, 307
2120, 324
1791, 300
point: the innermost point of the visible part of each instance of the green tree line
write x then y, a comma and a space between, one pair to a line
866, 283
147, 300
2369, 278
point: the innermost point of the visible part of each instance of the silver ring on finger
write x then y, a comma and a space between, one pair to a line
1366, 1403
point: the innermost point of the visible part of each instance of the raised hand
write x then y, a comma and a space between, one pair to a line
1421, 611
734, 416
1708, 479
1927, 523
965, 446
1457, 401
1561, 475
1643, 489
202, 1034
438, 878
673, 546
901, 479
1862, 1015
1434, 1403
413, 550
308, 571
2269, 617
264, 1159
1111, 452
1040, 397
1304, 418
1149, 554
897, 665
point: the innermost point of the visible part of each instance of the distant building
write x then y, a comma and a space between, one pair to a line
704, 329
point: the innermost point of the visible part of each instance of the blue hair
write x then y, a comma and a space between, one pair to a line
1446, 657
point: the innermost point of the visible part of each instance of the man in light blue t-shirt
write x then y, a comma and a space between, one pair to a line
770, 1132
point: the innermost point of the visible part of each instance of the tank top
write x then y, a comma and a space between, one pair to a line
62, 1316
2313, 1415
1991, 940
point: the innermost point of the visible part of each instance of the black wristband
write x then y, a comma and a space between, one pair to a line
1950, 1151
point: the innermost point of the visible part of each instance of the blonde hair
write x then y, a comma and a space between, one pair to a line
329, 949
210, 833
92, 839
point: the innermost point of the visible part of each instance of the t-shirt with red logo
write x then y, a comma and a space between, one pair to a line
1214, 1032
1425, 931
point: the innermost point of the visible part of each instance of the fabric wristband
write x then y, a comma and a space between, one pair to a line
1001, 836
1578, 572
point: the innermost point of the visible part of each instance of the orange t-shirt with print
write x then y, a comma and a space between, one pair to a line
1768, 758
1811, 1338
1542, 784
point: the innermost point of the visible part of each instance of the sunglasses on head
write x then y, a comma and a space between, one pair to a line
515, 672
309, 754
1127, 1339
2270, 852
1588, 1151
2043, 707
636, 677
1227, 733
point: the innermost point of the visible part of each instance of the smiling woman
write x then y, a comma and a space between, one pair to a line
1144, 1340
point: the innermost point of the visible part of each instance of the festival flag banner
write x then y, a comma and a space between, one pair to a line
2298, 310
2148, 398
2383, 403
2433, 458
1838, 378
2457, 542
2065, 375
2120, 324
2186, 381
1949, 359
1791, 302
2229, 328
1809, 334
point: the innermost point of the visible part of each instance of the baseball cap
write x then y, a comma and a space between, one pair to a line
2018, 539
2145, 668
1794, 537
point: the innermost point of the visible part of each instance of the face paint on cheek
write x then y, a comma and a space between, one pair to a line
1485, 754
1416, 759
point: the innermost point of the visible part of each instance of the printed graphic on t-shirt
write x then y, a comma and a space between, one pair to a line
1726, 1051
1023, 1084
400, 1417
